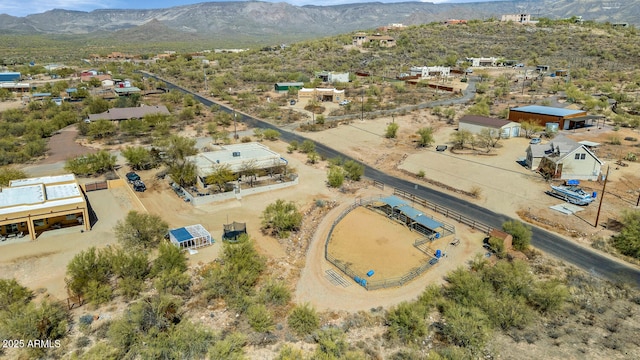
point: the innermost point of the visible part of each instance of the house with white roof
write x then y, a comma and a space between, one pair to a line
31, 206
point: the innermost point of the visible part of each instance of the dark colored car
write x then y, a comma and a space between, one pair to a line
131, 177
139, 186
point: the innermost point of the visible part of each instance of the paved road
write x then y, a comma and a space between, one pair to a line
552, 244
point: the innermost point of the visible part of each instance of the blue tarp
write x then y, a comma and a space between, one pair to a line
418, 217
181, 234
393, 201
573, 182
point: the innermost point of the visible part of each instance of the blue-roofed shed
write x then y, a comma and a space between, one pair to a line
190, 237
10, 76
542, 115
420, 218
393, 201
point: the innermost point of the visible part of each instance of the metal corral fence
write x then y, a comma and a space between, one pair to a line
362, 278
474, 224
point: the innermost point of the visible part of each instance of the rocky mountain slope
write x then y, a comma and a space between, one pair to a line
281, 20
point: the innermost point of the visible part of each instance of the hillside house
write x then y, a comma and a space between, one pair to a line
427, 72
563, 158
361, 39
519, 18
483, 61
331, 77
325, 95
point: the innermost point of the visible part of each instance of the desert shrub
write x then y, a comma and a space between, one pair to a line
421, 174
8, 173
628, 240
11, 292
271, 134
280, 217
259, 318
173, 281
521, 234
287, 352
466, 326
235, 280
548, 295
97, 292
335, 176
406, 323
293, 146
307, 146
497, 246
275, 293
332, 344
353, 170
230, 348
392, 131
89, 266
169, 258
303, 319
141, 231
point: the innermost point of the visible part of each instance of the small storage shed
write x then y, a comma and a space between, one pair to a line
190, 237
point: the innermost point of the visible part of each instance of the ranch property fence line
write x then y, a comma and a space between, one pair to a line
370, 284
444, 211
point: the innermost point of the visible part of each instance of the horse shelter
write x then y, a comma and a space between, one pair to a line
400, 210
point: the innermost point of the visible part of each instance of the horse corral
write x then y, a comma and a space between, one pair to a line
385, 242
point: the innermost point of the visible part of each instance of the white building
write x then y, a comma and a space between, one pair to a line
331, 77
475, 124
519, 18
236, 157
483, 61
427, 72
563, 158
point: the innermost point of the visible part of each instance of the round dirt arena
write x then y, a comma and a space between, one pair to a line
367, 240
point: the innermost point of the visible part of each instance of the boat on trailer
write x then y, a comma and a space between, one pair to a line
572, 194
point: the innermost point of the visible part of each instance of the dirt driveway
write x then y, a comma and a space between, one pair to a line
63, 146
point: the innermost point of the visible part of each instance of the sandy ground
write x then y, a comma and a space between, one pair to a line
365, 240
42, 263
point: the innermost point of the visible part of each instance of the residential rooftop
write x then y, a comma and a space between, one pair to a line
547, 110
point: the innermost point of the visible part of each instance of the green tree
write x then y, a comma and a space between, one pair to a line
138, 157
332, 344
185, 174
169, 258
275, 292
548, 295
101, 129
220, 176
91, 266
178, 148
303, 319
353, 170
280, 217
392, 131
426, 136
466, 327
8, 173
521, 234
140, 230
530, 128
460, 138
134, 127
335, 176
628, 240
488, 138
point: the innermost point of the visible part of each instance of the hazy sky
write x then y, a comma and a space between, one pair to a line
26, 7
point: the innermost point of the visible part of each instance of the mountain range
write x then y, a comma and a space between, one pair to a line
266, 20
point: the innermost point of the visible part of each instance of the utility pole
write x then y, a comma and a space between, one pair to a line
604, 186
235, 129
362, 105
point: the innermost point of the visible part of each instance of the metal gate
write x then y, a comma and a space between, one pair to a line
99, 185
